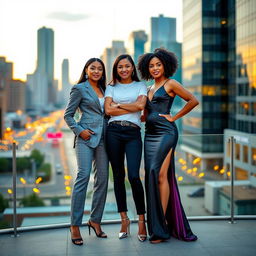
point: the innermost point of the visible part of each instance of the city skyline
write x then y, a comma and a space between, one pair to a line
73, 25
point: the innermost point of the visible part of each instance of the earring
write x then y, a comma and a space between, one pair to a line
86, 76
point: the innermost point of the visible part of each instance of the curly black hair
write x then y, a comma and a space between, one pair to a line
168, 59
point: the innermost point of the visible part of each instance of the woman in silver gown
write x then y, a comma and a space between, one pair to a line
165, 214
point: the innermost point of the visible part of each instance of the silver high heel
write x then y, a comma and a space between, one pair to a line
142, 237
125, 234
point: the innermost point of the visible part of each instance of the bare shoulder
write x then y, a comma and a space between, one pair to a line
170, 86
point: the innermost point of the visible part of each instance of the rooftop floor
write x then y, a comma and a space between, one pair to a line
215, 238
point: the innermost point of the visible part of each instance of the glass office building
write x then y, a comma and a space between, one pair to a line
219, 63
245, 99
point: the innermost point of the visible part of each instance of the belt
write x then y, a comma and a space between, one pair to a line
125, 123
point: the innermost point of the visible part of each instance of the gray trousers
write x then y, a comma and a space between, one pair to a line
86, 157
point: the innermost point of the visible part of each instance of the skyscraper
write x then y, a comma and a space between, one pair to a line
65, 80
204, 71
242, 89
6, 69
45, 59
41, 91
137, 40
37, 92
163, 31
16, 96
218, 61
109, 55
243, 57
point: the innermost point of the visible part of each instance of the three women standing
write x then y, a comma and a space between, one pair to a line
165, 214
124, 100
88, 97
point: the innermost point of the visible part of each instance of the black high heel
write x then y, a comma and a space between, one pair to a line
75, 240
100, 235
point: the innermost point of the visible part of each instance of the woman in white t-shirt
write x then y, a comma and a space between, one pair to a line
124, 100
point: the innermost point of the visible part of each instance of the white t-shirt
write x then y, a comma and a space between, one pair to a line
126, 93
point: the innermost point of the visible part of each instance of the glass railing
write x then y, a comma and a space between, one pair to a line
46, 170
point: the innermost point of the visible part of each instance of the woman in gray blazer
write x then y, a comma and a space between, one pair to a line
88, 97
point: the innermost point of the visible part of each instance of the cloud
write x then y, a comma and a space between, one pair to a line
66, 16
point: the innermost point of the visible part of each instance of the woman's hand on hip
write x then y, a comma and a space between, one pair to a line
168, 117
86, 134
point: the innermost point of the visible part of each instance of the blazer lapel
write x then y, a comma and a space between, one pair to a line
93, 94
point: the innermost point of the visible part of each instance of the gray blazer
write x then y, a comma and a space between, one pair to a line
84, 98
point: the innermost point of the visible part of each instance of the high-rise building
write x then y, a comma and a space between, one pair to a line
45, 60
163, 31
37, 91
41, 91
66, 86
16, 96
242, 89
6, 69
137, 40
218, 63
109, 55
205, 68
243, 57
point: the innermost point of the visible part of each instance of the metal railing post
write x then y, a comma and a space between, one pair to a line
232, 143
14, 176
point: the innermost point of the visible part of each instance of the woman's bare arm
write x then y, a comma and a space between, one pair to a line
174, 88
112, 109
136, 106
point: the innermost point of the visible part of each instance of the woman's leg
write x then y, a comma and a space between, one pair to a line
133, 151
115, 150
163, 184
164, 187
84, 156
101, 171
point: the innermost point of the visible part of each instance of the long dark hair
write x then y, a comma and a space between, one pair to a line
102, 81
116, 77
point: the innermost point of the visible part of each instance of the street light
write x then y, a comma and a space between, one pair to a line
9, 191
38, 180
36, 190
24, 182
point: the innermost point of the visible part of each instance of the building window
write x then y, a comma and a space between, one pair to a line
245, 154
253, 156
241, 174
237, 151
244, 108
254, 108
